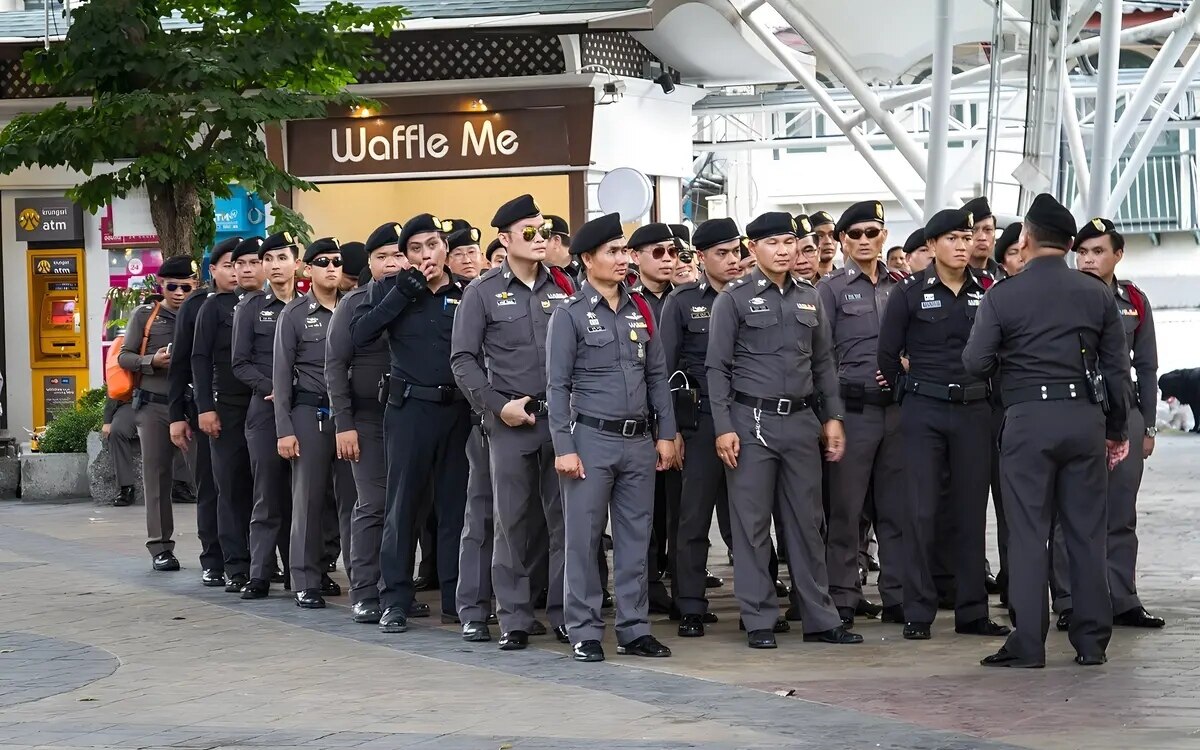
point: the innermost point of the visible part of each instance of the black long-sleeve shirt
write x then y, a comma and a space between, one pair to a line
212, 354
179, 375
684, 324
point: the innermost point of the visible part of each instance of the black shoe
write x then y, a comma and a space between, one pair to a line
476, 632
331, 566
1064, 620
894, 613
514, 640
366, 612
310, 599
537, 628
983, 626
1003, 597
420, 609
761, 639
781, 625
1091, 661
868, 609
450, 619
166, 562
992, 586
329, 587
491, 619
1003, 658
709, 618
212, 578
236, 583
257, 588
393, 620
181, 492
560, 634
691, 626
124, 498
647, 645
872, 565
588, 651
837, 635
781, 591
916, 631
712, 582
847, 615
1138, 617
606, 602
793, 614
421, 583
279, 576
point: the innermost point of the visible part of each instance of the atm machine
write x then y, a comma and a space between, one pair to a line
58, 331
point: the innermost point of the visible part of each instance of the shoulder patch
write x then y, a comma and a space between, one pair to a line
572, 299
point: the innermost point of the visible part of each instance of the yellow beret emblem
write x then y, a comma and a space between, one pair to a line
1098, 224
879, 211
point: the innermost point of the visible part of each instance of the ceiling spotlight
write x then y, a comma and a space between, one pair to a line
665, 81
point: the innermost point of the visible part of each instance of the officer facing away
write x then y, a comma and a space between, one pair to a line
1059, 339
607, 384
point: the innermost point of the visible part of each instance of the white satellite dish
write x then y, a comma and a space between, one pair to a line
627, 192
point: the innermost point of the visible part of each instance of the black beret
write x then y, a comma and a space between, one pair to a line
277, 241
177, 267
223, 248
492, 247
463, 237
804, 226
322, 246
979, 208
457, 225
364, 276
522, 207
946, 221
858, 213
597, 232
915, 240
420, 224
387, 234
1093, 229
651, 234
559, 226
714, 232
1011, 234
354, 258
1047, 212
819, 218
681, 231
249, 246
771, 224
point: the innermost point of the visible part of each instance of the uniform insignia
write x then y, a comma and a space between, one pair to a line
929, 296
930, 282
270, 297
975, 295
312, 320
970, 220
1130, 313
758, 301
702, 286
452, 301
556, 295
545, 304
633, 316
1098, 224
973, 302
505, 298
507, 275
806, 306
312, 305
595, 298
879, 211
596, 328
853, 297
762, 282
700, 312
931, 304
266, 314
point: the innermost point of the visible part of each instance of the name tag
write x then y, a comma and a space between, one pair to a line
931, 304
596, 328
699, 312
806, 306
637, 324
853, 297
556, 295
973, 303
1130, 313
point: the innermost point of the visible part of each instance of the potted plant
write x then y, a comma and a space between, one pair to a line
59, 468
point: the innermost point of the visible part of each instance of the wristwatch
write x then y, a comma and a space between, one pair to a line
1151, 432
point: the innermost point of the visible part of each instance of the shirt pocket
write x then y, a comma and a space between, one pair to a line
596, 352
312, 335
804, 332
512, 325
762, 332
938, 314
698, 325
858, 308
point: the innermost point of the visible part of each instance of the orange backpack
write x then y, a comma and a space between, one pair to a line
122, 382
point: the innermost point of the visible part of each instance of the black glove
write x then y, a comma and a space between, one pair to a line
411, 283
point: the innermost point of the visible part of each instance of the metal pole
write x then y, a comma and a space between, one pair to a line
826, 102
1150, 137
845, 72
939, 113
1106, 107
1070, 126
1080, 18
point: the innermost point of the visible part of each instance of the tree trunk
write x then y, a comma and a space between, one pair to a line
174, 209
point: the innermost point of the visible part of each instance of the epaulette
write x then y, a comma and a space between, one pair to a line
572, 299
488, 273
683, 288
835, 273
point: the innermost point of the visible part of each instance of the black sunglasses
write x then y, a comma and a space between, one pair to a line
659, 252
326, 262
870, 232
173, 287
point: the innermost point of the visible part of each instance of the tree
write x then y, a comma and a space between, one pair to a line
183, 112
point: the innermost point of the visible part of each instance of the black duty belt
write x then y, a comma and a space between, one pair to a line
954, 393
367, 404
867, 396
537, 405
308, 398
149, 397
438, 394
783, 406
1049, 392
630, 428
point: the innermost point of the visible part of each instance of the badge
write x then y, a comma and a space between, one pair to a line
853, 297
806, 306
762, 282
700, 312
758, 301
505, 298
632, 334
595, 328
927, 305
929, 296
641, 351
545, 304
556, 295
973, 303
930, 282
312, 320
312, 306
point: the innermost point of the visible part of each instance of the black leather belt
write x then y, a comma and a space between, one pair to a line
630, 428
438, 394
867, 396
1049, 392
149, 397
954, 393
783, 406
537, 406
308, 398
236, 400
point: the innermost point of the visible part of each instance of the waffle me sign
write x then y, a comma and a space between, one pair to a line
427, 143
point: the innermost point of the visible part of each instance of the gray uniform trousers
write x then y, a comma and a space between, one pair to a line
786, 470
619, 475
527, 493
1123, 484
473, 595
1052, 462
158, 475
312, 473
271, 519
703, 485
366, 520
123, 432
235, 488
874, 450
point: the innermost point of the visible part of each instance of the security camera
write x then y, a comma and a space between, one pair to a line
614, 88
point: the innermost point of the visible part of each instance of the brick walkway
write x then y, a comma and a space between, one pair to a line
97, 651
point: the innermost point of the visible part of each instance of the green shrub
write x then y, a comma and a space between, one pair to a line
68, 431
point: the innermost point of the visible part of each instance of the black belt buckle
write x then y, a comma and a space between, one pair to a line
445, 394
783, 407
956, 393
629, 428
536, 407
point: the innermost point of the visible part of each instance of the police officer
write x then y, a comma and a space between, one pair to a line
222, 400
854, 298
502, 323
945, 427
806, 252
463, 258
606, 375
825, 228
120, 431
1008, 252
495, 253
147, 352
1056, 331
427, 421
983, 238
254, 322
918, 254
685, 329
1099, 247
558, 249
772, 382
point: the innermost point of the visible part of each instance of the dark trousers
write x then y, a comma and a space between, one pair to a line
703, 486
998, 499
207, 520
235, 488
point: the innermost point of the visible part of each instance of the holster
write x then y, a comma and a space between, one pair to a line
385, 388
853, 395
687, 408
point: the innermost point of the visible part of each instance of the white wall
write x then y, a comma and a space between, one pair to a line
646, 129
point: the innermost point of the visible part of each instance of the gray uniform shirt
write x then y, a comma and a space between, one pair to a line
855, 307
351, 373
1139, 331
162, 332
299, 356
604, 364
254, 322
503, 324
770, 343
